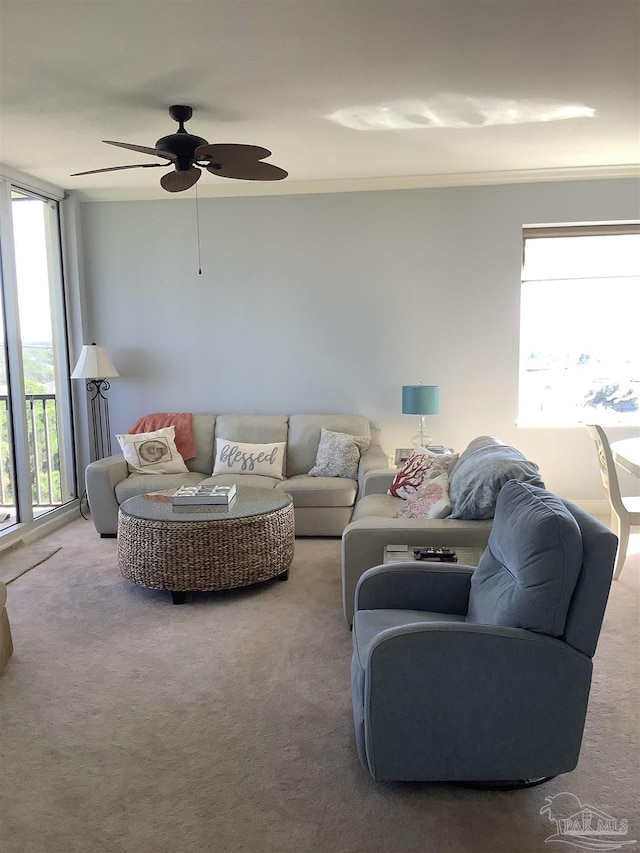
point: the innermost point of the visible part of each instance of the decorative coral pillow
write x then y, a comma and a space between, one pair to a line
152, 452
430, 501
420, 466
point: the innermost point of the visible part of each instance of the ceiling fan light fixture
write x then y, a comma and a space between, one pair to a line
186, 152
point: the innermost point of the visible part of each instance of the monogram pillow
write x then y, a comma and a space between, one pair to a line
339, 454
152, 452
235, 457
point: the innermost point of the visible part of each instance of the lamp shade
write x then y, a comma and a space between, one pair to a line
420, 399
94, 363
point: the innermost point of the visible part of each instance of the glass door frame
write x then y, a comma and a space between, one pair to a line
13, 353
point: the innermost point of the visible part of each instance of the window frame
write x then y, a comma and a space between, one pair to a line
27, 518
533, 232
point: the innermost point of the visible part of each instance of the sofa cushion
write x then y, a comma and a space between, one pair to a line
141, 484
377, 506
338, 454
304, 437
255, 429
152, 452
255, 481
422, 465
319, 491
203, 431
528, 572
476, 480
235, 457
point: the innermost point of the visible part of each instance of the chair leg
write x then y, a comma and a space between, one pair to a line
621, 528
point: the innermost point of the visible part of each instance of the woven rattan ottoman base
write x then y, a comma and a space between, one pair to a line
212, 554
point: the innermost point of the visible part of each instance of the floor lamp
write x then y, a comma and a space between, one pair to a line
96, 367
420, 400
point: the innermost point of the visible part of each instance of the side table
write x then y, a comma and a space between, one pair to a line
466, 556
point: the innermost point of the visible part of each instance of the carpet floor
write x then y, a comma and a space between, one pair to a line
129, 724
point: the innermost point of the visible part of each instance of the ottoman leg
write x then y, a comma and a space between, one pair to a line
178, 597
284, 576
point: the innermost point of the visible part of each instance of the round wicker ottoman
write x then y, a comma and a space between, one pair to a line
205, 547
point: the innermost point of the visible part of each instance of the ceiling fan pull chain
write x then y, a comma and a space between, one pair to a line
198, 230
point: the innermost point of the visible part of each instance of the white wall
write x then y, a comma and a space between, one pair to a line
330, 303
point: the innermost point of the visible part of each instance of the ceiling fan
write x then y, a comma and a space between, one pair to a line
186, 153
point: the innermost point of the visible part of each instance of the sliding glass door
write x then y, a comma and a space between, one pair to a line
35, 428
7, 469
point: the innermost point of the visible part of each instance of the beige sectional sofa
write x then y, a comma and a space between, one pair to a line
482, 469
323, 505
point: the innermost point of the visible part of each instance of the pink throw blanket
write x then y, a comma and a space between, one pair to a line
182, 421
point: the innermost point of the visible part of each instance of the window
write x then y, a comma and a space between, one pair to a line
580, 325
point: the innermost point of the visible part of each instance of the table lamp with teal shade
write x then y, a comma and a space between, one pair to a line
421, 400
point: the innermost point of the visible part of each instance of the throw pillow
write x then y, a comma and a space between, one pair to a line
235, 457
183, 423
477, 479
430, 501
152, 452
339, 454
419, 467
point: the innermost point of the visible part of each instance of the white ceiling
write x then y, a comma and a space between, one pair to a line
448, 92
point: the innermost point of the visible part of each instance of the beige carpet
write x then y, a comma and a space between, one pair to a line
129, 724
22, 558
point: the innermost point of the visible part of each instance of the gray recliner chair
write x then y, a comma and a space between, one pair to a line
483, 675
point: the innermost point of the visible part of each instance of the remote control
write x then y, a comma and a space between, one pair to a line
443, 555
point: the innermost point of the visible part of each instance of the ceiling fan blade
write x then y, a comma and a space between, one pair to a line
117, 168
243, 162
155, 152
227, 153
176, 182
248, 171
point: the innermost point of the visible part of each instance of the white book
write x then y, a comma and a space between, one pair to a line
204, 495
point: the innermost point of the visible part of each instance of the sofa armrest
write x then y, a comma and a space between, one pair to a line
364, 541
372, 458
377, 481
101, 478
438, 587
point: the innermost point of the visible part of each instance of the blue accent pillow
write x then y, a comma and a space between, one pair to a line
475, 482
528, 572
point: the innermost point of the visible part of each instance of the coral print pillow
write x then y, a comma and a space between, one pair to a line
430, 501
418, 468
152, 452
234, 457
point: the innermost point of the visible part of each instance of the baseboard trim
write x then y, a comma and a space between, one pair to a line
593, 507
